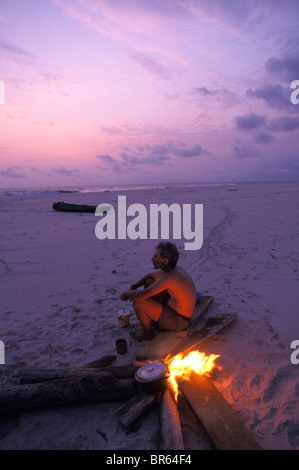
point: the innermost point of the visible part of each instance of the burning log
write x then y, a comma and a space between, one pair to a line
221, 423
96, 387
182, 366
179, 366
170, 423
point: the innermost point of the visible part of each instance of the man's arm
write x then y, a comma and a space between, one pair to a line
154, 289
154, 275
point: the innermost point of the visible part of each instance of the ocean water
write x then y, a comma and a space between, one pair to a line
37, 191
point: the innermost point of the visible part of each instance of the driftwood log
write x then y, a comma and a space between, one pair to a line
37, 375
92, 386
133, 413
101, 362
170, 423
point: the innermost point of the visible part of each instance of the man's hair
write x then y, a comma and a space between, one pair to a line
169, 250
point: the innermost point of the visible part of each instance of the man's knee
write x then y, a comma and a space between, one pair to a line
136, 303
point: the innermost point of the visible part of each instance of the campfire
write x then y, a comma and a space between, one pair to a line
155, 376
96, 382
182, 367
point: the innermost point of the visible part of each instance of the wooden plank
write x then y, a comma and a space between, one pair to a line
221, 422
205, 328
165, 341
201, 308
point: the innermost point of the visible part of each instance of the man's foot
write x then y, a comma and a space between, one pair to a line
143, 335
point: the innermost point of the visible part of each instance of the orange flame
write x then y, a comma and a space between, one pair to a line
182, 367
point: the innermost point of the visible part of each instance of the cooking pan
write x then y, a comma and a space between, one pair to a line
152, 377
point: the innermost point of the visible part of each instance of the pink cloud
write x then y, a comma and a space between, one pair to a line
152, 65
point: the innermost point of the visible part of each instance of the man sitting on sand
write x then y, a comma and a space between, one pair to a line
168, 297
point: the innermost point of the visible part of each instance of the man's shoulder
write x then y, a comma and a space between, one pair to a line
158, 274
179, 271
180, 274
174, 273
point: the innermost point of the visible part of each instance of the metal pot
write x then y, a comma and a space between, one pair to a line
152, 377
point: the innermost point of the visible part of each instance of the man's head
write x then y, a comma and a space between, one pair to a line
166, 256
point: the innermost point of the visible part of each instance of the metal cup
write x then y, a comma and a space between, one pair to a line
121, 346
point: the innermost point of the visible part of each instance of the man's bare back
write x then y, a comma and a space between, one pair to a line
182, 291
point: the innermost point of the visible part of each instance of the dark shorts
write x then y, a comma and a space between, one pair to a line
172, 320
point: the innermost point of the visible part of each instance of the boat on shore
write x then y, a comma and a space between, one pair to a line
67, 207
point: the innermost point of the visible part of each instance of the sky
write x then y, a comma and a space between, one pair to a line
148, 91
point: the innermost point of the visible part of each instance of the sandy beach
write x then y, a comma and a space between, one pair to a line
60, 288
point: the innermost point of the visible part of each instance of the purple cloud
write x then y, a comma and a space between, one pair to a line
152, 155
12, 172
15, 50
290, 47
230, 11
65, 171
111, 130
175, 8
202, 91
134, 159
284, 124
109, 163
286, 69
243, 151
183, 151
275, 96
106, 158
264, 138
247, 12
250, 121
179, 149
156, 155
16, 54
